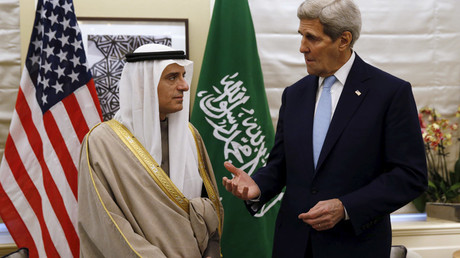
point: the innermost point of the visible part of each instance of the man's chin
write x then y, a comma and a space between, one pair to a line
310, 69
179, 108
311, 72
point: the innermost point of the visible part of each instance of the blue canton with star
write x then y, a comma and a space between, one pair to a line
56, 60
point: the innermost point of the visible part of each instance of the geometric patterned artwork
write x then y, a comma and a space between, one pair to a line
110, 51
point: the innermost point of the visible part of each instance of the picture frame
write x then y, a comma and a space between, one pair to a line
107, 41
176, 28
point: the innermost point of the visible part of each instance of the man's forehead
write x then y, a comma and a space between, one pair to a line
310, 25
173, 68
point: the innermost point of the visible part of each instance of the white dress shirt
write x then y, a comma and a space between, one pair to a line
336, 90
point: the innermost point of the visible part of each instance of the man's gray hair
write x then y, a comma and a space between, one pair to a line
336, 16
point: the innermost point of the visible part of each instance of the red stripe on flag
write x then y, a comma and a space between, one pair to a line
30, 192
76, 116
92, 90
15, 224
58, 143
51, 189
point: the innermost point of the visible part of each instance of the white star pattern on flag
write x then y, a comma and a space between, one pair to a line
44, 99
67, 7
46, 67
42, 13
34, 59
48, 50
51, 35
54, 19
75, 60
58, 87
66, 24
73, 76
76, 45
55, 3
57, 72
60, 72
64, 40
37, 43
61, 55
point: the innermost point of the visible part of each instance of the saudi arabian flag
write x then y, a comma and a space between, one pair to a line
231, 113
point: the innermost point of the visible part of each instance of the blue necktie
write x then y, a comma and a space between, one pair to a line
322, 117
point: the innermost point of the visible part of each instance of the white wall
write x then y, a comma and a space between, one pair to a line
9, 64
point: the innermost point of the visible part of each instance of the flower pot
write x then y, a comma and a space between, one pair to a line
447, 211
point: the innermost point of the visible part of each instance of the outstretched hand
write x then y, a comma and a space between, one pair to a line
241, 185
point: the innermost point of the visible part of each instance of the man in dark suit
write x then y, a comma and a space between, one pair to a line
348, 147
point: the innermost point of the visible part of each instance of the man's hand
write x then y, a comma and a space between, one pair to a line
324, 215
241, 185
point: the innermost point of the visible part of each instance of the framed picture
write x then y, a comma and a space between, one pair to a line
108, 40
175, 29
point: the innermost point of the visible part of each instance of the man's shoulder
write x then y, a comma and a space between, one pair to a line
192, 127
99, 128
195, 130
381, 74
375, 72
100, 133
308, 80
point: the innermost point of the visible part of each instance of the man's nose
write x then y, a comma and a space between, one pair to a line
183, 85
304, 47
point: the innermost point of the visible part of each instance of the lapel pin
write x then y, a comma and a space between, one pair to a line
357, 92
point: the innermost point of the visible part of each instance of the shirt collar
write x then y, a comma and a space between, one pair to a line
342, 74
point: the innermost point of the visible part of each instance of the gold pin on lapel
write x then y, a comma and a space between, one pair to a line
357, 92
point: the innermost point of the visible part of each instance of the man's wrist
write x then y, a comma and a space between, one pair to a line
345, 213
257, 199
254, 203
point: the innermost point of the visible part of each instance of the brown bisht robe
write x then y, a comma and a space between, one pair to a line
124, 212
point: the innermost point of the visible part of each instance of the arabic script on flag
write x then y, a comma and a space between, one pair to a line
235, 125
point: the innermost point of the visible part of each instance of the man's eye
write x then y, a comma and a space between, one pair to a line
172, 78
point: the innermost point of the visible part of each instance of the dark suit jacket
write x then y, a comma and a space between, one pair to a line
372, 159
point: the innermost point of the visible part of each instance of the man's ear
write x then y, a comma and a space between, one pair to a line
345, 40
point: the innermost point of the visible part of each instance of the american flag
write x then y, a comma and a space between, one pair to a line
56, 106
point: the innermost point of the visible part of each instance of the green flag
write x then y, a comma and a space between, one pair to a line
231, 113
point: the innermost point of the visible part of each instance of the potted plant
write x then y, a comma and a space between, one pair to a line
442, 197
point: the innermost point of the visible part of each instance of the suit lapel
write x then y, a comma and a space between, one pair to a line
299, 117
307, 126
354, 92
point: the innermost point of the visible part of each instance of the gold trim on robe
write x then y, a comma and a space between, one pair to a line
149, 163
207, 182
99, 195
